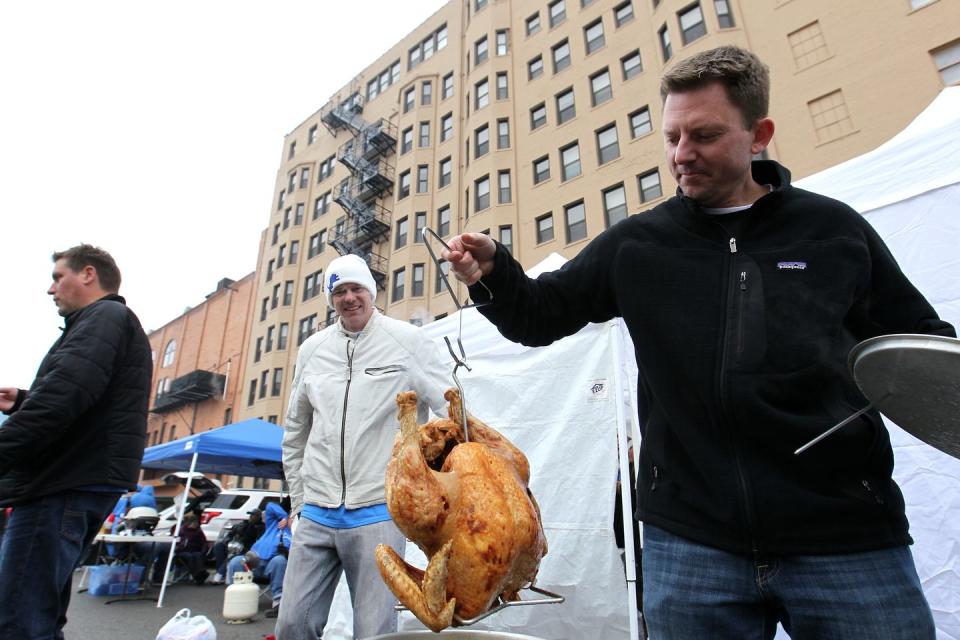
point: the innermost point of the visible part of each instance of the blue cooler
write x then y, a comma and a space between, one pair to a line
108, 579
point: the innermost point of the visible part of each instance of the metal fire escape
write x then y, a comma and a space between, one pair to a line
371, 179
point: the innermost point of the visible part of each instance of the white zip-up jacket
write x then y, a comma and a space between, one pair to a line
342, 415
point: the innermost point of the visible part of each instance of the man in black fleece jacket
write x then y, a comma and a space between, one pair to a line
743, 296
73, 443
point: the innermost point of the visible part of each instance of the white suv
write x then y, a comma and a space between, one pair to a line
231, 506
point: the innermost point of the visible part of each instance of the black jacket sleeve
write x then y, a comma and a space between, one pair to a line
71, 380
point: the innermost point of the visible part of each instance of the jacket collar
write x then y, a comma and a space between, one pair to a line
371, 324
688, 213
69, 319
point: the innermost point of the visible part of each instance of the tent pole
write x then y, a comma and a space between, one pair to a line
625, 479
176, 530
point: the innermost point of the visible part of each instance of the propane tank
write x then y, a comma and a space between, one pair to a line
241, 598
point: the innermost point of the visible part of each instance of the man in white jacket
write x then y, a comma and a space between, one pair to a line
339, 431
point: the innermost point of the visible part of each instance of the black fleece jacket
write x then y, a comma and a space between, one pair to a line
742, 324
83, 421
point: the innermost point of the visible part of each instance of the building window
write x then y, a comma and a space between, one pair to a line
420, 223
169, 353
502, 42
442, 270
425, 50
593, 34
264, 307
264, 378
306, 327
561, 56
538, 116
276, 234
724, 14
293, 149
808, 45
650, 186
298, 213
480, 50
304, 177
481, 141
426, 92
558, 12
275, 298
608, 146
312, 135
566, 106
443, 221
481, 194
576, 221
506, 237
280, 200
446, 172
504, 194
423, 184
286, 217
691, 24
502, 91
424, 137
623, 13
545, 228
614, 204
406, 140
640, 122
446, 127
541, 169
326, 168
270, 266
503, 134
447, 88
288, 293
398, 281
570, 161
665, 47
482, 95
294, 251
533, 24
404, 185
947, 60
535, 68
321, 205
600, 87
831, 119
416, 283
409, 99
283, 335
400, 237
277, 382
252, 396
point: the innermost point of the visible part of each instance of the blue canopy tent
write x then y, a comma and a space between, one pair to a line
248, 448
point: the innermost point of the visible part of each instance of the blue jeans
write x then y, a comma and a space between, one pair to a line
43, 543
274, 570
694, 591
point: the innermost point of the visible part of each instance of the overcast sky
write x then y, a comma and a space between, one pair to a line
155, 130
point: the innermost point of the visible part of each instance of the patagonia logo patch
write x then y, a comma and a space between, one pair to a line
794, 266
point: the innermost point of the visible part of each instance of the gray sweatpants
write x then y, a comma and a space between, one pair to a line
318, 556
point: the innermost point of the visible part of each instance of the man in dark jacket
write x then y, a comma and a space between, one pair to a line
73, 443
743, 296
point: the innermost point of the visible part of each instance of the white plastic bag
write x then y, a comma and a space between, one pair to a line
184, 627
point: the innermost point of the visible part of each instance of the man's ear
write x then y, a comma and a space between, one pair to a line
762, 134
88, 275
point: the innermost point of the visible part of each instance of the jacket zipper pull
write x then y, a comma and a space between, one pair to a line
743, 281
733, 245
349, 362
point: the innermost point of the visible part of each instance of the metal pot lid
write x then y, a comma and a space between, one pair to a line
915, 381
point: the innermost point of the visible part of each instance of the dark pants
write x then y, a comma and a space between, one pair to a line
43, 543
220, 555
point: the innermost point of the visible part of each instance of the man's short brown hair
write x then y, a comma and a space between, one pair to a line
85, 255
744, 76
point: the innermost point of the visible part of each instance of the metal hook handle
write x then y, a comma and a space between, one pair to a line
460, 362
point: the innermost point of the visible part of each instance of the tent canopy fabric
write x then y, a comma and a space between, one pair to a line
248, 448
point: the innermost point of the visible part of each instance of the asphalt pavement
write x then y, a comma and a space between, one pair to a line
90, 618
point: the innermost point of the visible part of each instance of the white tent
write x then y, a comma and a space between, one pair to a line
909, 190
